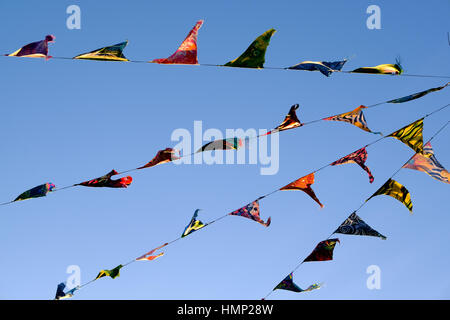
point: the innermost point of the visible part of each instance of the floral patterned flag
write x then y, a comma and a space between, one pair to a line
251, 211
359, 157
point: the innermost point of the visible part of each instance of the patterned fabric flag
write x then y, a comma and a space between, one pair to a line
254, 56
359, 157
304, 184
224, 144
149, 255
288, 284
36, 192
290, 121
251, 211
395, 190
163, 156
417, 95
356, 226
382, 69
111, 53
323, 251
326, 68
411, 135
194, 225
428, 164
60, 294
106, 181
113, 273
187, 52
355, 117
38, 49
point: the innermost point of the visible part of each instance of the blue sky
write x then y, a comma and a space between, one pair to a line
68, 121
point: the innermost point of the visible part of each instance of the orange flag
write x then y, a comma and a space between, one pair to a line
304, 184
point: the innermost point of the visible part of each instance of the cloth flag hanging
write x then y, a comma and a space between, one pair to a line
304, 184
359, 157
60, 294
36, 192
354, 225
38, 49
323, 251
411, 135
291, 121
326, 68
163, 156
187, 52
223, 144
106, 181
417, 95
251, 211
428, 164
113, 273
355, 117
382, 69
288, 284
194, 225
254, 56
111, 53
395, 190
149, 255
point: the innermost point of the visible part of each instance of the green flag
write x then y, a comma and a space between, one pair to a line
113, 273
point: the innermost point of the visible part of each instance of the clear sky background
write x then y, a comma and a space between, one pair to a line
68, 121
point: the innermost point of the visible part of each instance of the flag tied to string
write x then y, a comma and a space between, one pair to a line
411, 135
38, 49
428, 164
382, 69
149, 255
106, 181
395, 190
359, 157
194, 225
326, 68
113, 273
323, 251
417, 95
163, 156
291, 121
223, 144
354, 225
187, 52
288, 284
110, 53
355, 117
304, 184
60, 294
36, 192
251, 211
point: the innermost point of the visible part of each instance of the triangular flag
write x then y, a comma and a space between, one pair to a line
355, 117
110, 53
38, 49
326, 68
251, 211
223, 144
395, 190
291, 121
288, 284
36, 192
359, 157
417, 95
411, 135
304, 184
106, 181
113, 273
60, 294
149, 255
382, 69
354, 225
323, 251
163, 156
194, 225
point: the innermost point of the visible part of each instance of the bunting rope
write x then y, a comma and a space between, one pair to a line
274, 191
362, 205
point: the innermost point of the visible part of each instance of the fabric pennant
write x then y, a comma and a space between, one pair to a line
194, 225
291, 121
163, 156
359, 157
288, 284
60, 294
355, 117
149, 255
187, 52
382, 69
417, 95
113, 273
110, 53
36, 192
106, 181
354, 225
254, 56
411, 135
323, 251
223, 144
38, 49
326, 68
304, 184
395, 190
251, 211
428, 164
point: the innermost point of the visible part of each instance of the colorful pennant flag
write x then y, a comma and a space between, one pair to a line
111, 53
254, 56
382, 69
38, 49
411, 135
323, 251
223, 144
149, 255
395, 190
417, 95
194, 225
60, 294
106, 181
290, 121
288, 284
187, 52
251, 211
326, 68
163, 156
113, 273
359, 157
355, 117
428, 164
354, 225
304, 184
36, 192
